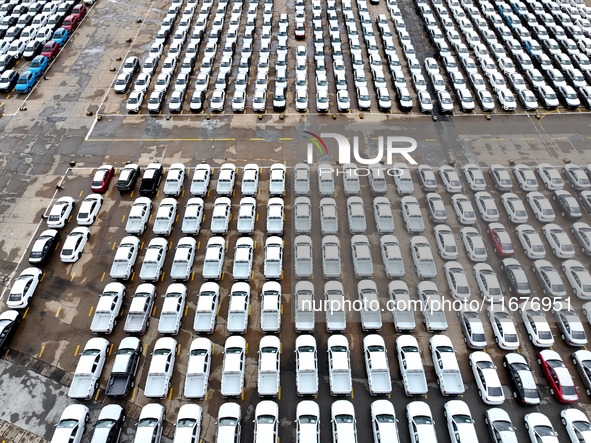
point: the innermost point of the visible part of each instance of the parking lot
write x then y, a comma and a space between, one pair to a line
75, 115
68, 295
406, 47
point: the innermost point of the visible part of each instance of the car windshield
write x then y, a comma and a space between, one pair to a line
186, 423
343, 418
147, 422
503, 426
68, 424
423, 420
105, 423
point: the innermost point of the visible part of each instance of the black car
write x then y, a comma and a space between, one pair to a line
8, 80
516, 277
567, 204
522, 381
9, 321
128, 177
151, 180
44, 247
125, 367
109, 425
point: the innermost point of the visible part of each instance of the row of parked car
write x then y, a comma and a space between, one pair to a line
507, 38
34, 31
383, 415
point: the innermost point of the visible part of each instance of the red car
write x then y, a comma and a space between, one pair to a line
50, 49
557, 375
70, 22
501, 240
300, 30
102, 178
79, 11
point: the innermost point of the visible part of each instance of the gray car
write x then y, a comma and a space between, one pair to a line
356, 215
436, 208
422, 257
582, 233
301, 179
411, 213
427, 178
377, 180
549, 278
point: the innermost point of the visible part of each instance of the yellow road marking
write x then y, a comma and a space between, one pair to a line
114, 244
58, 311
123, 219
25, 314
110, 348
76, 351
103, 277
42, 277
73, 275
41, 353
91, 309
97, 394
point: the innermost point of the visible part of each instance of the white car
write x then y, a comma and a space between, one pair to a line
501, 178
277, 180
172, 309
384, 422
74, 245
507, 100
531, 241
460, 424
275, 216
579, 278
154, 259
526, 178
70, 428
23, 288
165, 217
541, 207
226, 180
446, 243
577, 425
250, 180
550, 177
450, 179
243, 258
200, 180
193, 216
138, 216
488, 283
487, 379
266, 422
474, 177
487, 207
246, 216
188, 424
459, 288
464, 209
500, 427
514, 207
108, 309
537, 327
343, 422
307, 422
150, 424
343, 101
420, 422
570, 325
174, 180
134, 101
60, 212
474, 244
220, 216
228, 423
539, 428
503, 327
217, 100
183, 259
559, 241
89, 209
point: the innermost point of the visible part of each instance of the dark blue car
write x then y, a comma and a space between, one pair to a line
26, 82
60, 36
39, 65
